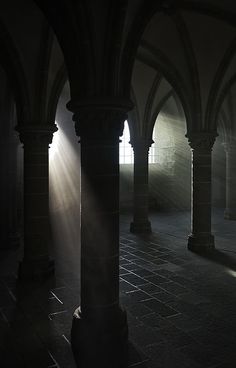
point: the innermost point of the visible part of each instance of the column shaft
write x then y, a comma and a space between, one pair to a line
36, 196
141, 223
99, 224
14, 238
4, 192
99, 329
37, 236
230, 210
201, 238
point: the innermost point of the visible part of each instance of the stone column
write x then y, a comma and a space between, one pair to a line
141, 223
201, 238
99, 333
13, 236
36, 263
230, 152
4, 188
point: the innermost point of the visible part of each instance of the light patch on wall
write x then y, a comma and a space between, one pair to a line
169, 159
163, 149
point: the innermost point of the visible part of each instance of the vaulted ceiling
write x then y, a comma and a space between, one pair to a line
146, 50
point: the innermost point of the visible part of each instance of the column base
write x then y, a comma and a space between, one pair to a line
100, 339
201, 243
36, 270
229, 215
141, 227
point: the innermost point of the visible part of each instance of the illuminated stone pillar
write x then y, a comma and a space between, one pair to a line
36, 263
141, 223
99, 330
230, 210
201, 238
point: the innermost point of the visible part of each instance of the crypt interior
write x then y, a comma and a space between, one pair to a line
118, 184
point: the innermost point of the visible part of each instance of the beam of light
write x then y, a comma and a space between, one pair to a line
231, 272
64, 180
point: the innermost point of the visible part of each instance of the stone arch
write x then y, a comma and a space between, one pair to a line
156, 113
151, 96
58, 85
214, 103
11, 63
192, 65
171, 8
222, 125
223, 95
170, 73
170, 95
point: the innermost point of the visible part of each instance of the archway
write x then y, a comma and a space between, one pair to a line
64, 175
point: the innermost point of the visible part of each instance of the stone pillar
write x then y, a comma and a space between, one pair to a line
201, 238
36, 263
230, 152
4, 187
99, 332
141, 223
13, 235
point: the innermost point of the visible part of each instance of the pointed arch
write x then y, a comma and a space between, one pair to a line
12, 65
191, 63
156, 113
58, 85
161, 63
147, 114
213, 104
224, 91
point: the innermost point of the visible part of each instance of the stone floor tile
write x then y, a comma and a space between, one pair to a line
144, 335
126, 286
174, 288
159, 307
150, 288
165, 297
134, 279
137, 296
130, 267
138, 310
184, 323
141, 272
157, 279
136, 356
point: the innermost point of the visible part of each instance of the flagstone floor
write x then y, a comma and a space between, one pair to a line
181, 306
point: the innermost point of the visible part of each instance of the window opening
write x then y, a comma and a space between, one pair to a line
126, 150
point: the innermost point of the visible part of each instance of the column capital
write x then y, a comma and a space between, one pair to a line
36, 134
201, 141
141, 143
99, 118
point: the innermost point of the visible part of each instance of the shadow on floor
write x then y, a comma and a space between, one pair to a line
221, 257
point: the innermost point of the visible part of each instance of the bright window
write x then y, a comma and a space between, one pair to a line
126, 150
